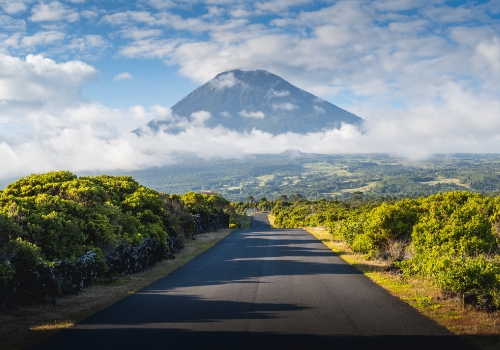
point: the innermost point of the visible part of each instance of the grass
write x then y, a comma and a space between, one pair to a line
246, 223
479, 328
28, 325
443, 180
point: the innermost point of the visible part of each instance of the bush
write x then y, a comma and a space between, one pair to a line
389, 222
362, 244
6, 274
54, 228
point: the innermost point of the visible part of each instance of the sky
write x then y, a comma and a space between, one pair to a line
76, 76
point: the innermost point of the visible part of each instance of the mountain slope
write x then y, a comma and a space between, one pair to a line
243, 100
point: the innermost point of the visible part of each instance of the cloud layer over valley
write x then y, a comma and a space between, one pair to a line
424, 75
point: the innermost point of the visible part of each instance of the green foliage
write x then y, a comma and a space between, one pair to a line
362, 243
6, 274
58, 216
455, 223
389, 222
9, 232
453, 235
38, 183
197, 203
27, 254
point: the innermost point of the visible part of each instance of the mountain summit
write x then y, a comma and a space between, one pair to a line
244, 100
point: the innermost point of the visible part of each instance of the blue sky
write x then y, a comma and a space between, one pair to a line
76, 76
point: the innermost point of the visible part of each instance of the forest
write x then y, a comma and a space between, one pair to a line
60, 232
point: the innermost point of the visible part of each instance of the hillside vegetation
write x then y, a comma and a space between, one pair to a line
450, 238
316, 176
59, 232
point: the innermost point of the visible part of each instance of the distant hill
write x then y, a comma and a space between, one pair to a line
317, 176
244, 100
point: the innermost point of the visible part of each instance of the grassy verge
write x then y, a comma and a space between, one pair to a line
479, 328
23, 327
247, 221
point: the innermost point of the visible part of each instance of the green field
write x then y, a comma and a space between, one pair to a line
316, 176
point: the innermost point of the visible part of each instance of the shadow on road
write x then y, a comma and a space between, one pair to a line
149, 338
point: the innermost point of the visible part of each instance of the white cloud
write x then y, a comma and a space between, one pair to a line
53, 11
149, 48
123, 76
9, 23
14, 6
41, 80
91, 46
43, 38
224, 81
318, 109
489, 52
89, 14
283, 93
199, 118
128, 17
226, 114
162, 4
277, 6
137, 34
257, 114
287, 106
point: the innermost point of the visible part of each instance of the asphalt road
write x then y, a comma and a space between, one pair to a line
259, 289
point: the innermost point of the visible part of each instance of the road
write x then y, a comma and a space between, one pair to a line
259, 289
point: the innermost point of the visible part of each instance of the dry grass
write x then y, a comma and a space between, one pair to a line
23, 327
481, 329
271, 219
247, 222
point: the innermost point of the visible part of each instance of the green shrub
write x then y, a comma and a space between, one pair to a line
6, 274
389, 222
27, 254
362, 244
456, 223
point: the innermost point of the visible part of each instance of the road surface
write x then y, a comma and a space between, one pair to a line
259, 289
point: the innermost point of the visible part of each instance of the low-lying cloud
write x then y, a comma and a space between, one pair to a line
45, 124
256, 114
224, 81
92, 137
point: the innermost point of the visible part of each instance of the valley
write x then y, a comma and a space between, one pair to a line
316, 176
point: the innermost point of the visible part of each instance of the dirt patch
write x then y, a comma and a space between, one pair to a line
27, 325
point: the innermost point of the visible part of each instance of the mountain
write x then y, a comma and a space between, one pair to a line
243, 100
